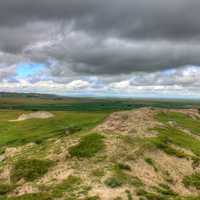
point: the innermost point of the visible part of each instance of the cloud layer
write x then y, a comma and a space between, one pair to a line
114, 42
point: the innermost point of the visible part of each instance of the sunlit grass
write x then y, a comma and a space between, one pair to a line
37, 130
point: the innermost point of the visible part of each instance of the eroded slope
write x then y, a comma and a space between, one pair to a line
146, 153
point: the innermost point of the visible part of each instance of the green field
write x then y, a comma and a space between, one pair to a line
36, 130
32, 103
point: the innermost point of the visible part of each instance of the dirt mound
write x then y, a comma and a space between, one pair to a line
139, 122
37, 115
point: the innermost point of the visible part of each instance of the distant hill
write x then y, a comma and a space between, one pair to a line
29, 95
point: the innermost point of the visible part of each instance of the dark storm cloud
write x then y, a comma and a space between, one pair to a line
109, 36
133, 18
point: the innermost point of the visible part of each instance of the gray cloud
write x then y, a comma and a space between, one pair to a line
142, 19
102, 37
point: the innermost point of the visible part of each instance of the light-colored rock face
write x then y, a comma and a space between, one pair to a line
138, 122
36, 115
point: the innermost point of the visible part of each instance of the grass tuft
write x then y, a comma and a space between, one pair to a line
30, 169
69, 185
5, 188
113, 182
192, 180
151, 162
88, 146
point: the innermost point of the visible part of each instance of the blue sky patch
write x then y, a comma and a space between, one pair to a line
29, 69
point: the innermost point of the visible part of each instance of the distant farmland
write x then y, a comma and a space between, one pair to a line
87, 104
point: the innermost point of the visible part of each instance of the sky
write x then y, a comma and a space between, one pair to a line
101, 48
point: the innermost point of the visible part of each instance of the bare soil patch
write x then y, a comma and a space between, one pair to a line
137, 122
36, 115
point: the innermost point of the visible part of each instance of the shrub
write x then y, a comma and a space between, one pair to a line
151, 162
113, 182
124, 166
29, 169
72, 129
88, 146
5, 188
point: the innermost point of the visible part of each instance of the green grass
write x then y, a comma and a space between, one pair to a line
37, 196
67, 186
129, 195
34, 130
88, 146
120, 177
150, 195
5, 188
121, 174
29, 169
113, 182
123, 166
163, 192
181, 120
170, 135
55, 103
192, 180
151, 162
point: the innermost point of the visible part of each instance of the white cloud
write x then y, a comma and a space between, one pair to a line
44, 86
181, 82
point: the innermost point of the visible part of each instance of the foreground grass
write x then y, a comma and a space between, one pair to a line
120, 177
192, 180
30, 169
5, 188
71, 189
37, 130
173, 135
88, 146
181, 120
170, 135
